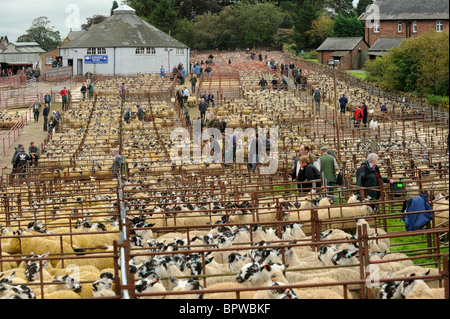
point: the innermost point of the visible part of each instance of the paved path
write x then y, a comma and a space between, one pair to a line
32, 132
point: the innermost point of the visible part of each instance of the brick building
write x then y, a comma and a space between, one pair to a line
405, 19
349, 51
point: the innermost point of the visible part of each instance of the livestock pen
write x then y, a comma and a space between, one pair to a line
191, 228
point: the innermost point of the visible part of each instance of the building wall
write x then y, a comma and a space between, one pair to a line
125, 61
349, 61
51, 54
389, 29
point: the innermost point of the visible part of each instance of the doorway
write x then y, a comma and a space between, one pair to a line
80, 67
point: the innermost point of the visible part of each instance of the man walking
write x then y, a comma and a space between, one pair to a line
343, 103
36, 110
64, 93
21, 161
317, 96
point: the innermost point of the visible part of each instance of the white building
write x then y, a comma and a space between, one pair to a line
123, 44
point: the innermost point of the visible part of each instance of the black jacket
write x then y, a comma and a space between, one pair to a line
22, 158
309, 173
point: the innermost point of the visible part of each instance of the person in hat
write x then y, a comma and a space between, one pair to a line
118, 160
328, 167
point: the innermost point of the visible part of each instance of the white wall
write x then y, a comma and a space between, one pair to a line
125, 61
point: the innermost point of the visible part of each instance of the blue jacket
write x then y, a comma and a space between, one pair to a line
416, 204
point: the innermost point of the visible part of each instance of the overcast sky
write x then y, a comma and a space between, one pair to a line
16, 16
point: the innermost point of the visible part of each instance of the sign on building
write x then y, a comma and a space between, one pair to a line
96, 59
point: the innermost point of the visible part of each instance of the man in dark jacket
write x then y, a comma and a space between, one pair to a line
343, 101
13, 160
45, 112
33, 151
127, 116
263, 84
202, 108
83, 91
308, 173
365, 114
368, 175
36, 111
140, 113
21, 160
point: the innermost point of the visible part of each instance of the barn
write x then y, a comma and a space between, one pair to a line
123, 44
348, 50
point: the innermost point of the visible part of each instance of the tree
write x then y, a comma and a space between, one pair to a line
259, 23
420, 65
362, 5
342, 7
348, 26
305, 15
321, 28
164, 16
95, 19
42, 33
115, 5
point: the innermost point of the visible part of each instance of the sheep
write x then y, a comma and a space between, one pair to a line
104, 287
255, 274
324, 292
62, 294
384, 243
420, 290
441, 217
227, 295
98, 261
186, 284
16, 292
149, 285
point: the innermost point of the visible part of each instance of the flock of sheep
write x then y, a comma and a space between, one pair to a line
198, 230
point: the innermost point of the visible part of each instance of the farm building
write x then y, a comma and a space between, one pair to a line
382, 46
123, 44
405, 18
21, 55
349, 51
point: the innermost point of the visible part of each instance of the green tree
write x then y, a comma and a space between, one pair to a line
42, 33
420, 65
115, 5
362, 5
348, 26
305, 14
259, 23
164, 16
321, 28
341, 7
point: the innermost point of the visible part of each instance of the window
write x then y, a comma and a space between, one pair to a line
140, 50
49, 60
376, 26
180, 51
399, 27
439, 26
150, 51
96, 51
414, 27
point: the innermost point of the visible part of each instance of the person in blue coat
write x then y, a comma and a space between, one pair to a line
343, 101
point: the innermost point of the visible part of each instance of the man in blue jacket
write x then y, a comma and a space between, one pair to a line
343, 103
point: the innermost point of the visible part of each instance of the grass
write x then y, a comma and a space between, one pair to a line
362, 75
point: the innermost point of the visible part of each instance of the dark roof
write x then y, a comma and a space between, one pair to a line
123, 29
410, 10
339, 44
384, 44
337, 54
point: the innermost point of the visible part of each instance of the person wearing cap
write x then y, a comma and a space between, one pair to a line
328, 167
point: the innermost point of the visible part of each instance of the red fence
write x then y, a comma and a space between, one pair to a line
9, 138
